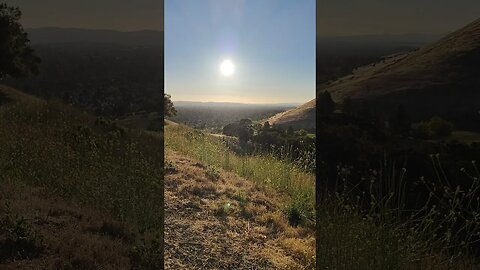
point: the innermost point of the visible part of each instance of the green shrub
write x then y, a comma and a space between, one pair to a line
223, 209
436, 127
421, 131
299, 211
439, 127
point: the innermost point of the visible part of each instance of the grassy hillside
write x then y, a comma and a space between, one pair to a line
75, 188
248, 184
337, 56
215, 219
438, 79
302, 117
263, 169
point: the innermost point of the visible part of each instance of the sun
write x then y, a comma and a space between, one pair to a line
227, 68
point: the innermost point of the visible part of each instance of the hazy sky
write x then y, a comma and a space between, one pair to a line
123, 15
353, 17
270, 42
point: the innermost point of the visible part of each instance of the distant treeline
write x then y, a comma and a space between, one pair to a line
108, 79
214, 119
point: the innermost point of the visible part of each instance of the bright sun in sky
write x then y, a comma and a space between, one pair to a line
227, 68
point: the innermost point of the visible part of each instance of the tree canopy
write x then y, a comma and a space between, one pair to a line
169, 109
17, 58
326, 106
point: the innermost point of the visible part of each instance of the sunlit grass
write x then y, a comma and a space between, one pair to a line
264, 169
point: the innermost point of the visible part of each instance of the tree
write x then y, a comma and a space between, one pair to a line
290, 131
399, 120
169, 109
347, 106
421, 131
17, 58
326, 106
245, 133
439, 127
266, 126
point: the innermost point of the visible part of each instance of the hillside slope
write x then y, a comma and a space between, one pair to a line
229, 211
76, 191
302, 117
201, 232
441, 78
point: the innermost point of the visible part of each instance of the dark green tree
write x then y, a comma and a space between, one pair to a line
290, 131
347, 106
266, 126
439, 127
17, 58
169, 109
399, 120
326, 106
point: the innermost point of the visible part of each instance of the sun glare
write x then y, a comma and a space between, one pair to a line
227, 68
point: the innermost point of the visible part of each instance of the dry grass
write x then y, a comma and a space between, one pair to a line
92, 191
266, 170
228, 223
69, 235
298, 118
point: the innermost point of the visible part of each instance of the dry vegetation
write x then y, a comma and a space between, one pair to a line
77, 192
437, 79
377, 231
302, 117
225, 211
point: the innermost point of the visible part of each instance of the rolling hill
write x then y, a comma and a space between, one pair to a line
337, 56
302, 117
438, 79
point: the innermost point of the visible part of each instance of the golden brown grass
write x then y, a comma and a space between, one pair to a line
70, 235
228, 222
99, 202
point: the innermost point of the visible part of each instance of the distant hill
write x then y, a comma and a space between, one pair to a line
231, 104
379, 40
302, 117
53, 35
108, 72
439, 79
337, 56
435, 79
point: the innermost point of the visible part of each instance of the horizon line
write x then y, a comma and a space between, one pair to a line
246, 103
93, 29
322, 35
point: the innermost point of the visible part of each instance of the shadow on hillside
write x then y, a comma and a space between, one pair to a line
4, 99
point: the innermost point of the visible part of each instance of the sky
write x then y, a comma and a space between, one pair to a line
271, 44
357, 17
121, 15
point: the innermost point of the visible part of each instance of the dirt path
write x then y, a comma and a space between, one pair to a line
203, 232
